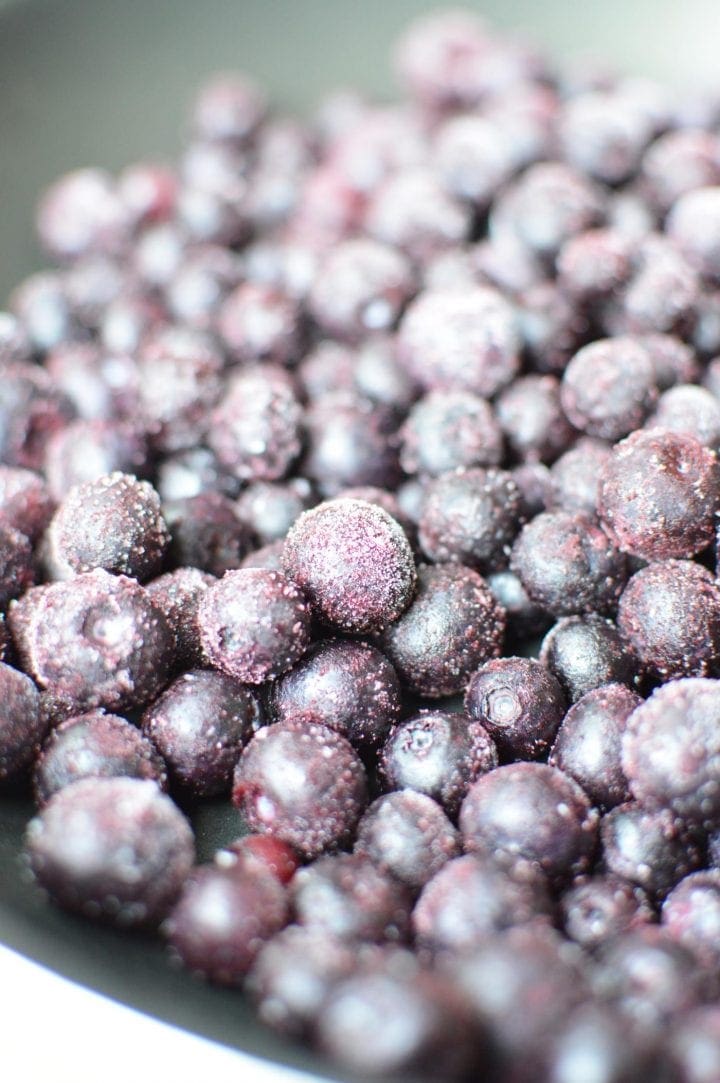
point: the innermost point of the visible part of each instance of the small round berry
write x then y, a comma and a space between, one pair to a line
32, 409
22, 725
450, 429
350, 443
553, 327
254, 624
694, 224
600, 1036
669, 613
408, 835
531, 814
574, 476
691, 913
14, 341
604, 133
680, 161
25, 503
350, 898
411, 211
94, 641
259, 854
354, 563
689, 409
386, 500
221, 919
269, 508
113, 849
17, 564
568, 565
441, 59
460, 340
81, 212
453, 625
673, 360
470, 898
650, 847
95, 745
588, 746
113, 523
663, 294
532, 419
177, 595
207, 533
199, 725
439, 754
349, 686
228, 109
525, 619
594, 265
519, 702
87, 450
472, 158
321, 808
258, 323
586, 653
597, 909
608, 389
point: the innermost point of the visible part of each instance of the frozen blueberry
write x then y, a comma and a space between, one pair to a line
351, 443
348, 897
188, 473
292, 974
17, 566
669, 613
663, 295
258, 323
532, 419
672, 359
260, 854
81, 212
412, 211
574, 476
691, 913
114, 849
22, 723
680, 161
441, 59
201, 284
588, 746
328, 792
255, 431
650, 977
379, 376
519, 702
354, 563
470, 898
460, 340
32, 408
450, 429
599, 1036
269, 508
690, 409
41, 304
609, 388
221, 919
25, 503
594, 265
599, 908
472, 157
360, 287
349, 686
386, 500
437, 753
524, 618
87, 450
586, 653
98, 386
604, 133
95, 745
254, 624
470, 517
94, 641
694, 223
534, 481
200, 725
228, 109
453, 625
207, 533
529, 814
408, 835
553, 326
147, 191
177, 595
568, 565
650, 847
113, 523
671, 748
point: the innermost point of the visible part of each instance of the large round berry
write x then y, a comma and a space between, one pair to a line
586, 653
519, 702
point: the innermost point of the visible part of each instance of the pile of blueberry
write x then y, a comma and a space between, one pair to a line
307, 442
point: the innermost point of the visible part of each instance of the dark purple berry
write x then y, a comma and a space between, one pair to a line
437, 753
177, 595
408, 835
114, 849
255, 431
598, 909
529, 814
303, 783
689, 409
691, 914
221, 919
32, 409
207, 533
574, 476
95, 745
672, 359
267, 557
450, 429
524, 618
552, 327
651, 848
594, 265
608, 389
14, 342
473, 158
199, 725
188, 473
411, 211
532, 419
586, 653
269, 508
17, 566
88, 450
25, 503
453, 625
350, 443
519, 702
694, 224
599, 1039
22, 724
354, 563
258, 323
42, 306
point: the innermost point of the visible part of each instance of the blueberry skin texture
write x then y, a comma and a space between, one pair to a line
519, 702
22, 724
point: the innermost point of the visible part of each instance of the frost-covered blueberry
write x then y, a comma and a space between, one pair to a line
532, 418
529, 814
25, 503
207, 533
95, 745
254, 624
673, 360
599, 1035
113, 523
691, 913
113, 849
609, 387
594, 265
460, 340
690, 409
89, 449
82, 212
694, 223
350, 443
520, 704
473, 158
601, 907
568, 565
199, 725
574, 476
22, 723
450, 429
321, 808
258, 323
472, 897
228, 109
177, 595
408, 835
221, 919
604, 133
354, 563
441, 59
586, 653
452, 626
349, 686
680, 161
269, 508
411, 211
32, 408
94, 641
437, 753
14, 341
669, 613
653, 848
588, 746
267, 557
